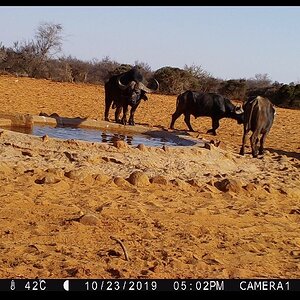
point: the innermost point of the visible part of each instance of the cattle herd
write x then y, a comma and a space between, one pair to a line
256, 114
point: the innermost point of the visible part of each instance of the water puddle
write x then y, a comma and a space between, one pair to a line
95, 135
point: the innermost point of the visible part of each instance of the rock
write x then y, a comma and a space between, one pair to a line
138, 178
89, 219
229, 185
208, 146
45, 138
165, 148
121, 182
195, 182
221, 145
250, 187
159, 179
181, 184
48, 179
76, 174
209, 188
101, 178
80, 175
142, 147
56, 171
94, 159
120, 144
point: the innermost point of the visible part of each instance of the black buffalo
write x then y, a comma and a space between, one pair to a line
259, 117
205, 104
123, 90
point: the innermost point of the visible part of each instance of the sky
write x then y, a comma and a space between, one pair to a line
228, 42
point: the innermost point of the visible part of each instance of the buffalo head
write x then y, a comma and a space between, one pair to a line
239, 114
134, 91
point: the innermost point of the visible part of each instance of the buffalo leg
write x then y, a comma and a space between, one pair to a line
107, 107
262, 142
131, 118
242, 151
117, 114
215, 126
125, 111
187, 120
175, 116
254, 141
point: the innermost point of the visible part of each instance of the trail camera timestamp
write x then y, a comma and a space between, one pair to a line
120, 285
198, 285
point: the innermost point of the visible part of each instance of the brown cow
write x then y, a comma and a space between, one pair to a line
258, 117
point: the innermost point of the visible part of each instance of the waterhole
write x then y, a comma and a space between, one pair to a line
95, 135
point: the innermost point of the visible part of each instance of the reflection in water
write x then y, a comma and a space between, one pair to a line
113, 137
93, 135
21, 129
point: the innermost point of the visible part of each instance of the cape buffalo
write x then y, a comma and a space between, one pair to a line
259, 117
205, 104
126, 89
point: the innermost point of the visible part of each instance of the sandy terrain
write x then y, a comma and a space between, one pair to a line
74, 209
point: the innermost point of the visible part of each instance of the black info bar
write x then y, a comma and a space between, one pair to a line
149, 285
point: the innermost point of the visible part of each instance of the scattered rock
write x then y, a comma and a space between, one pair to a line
210, 145
159, 179
209, 188
101, 178
114, 253
229, 185
120, 144
89, 219
45, 138
94, 159
142, 147
295, 253
70, 156
111, 159
27, 153
250, 187
121, 182
195, 182
221, 145
295, 211
138, 178
180, 183
48, 179
114, 272
72, 272
56, 171
76, 174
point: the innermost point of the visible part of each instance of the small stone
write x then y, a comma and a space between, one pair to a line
89, 220
227, 185
139, 178
120, 144
159, 179
48, 179
121, 182
45, 138
142, 147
